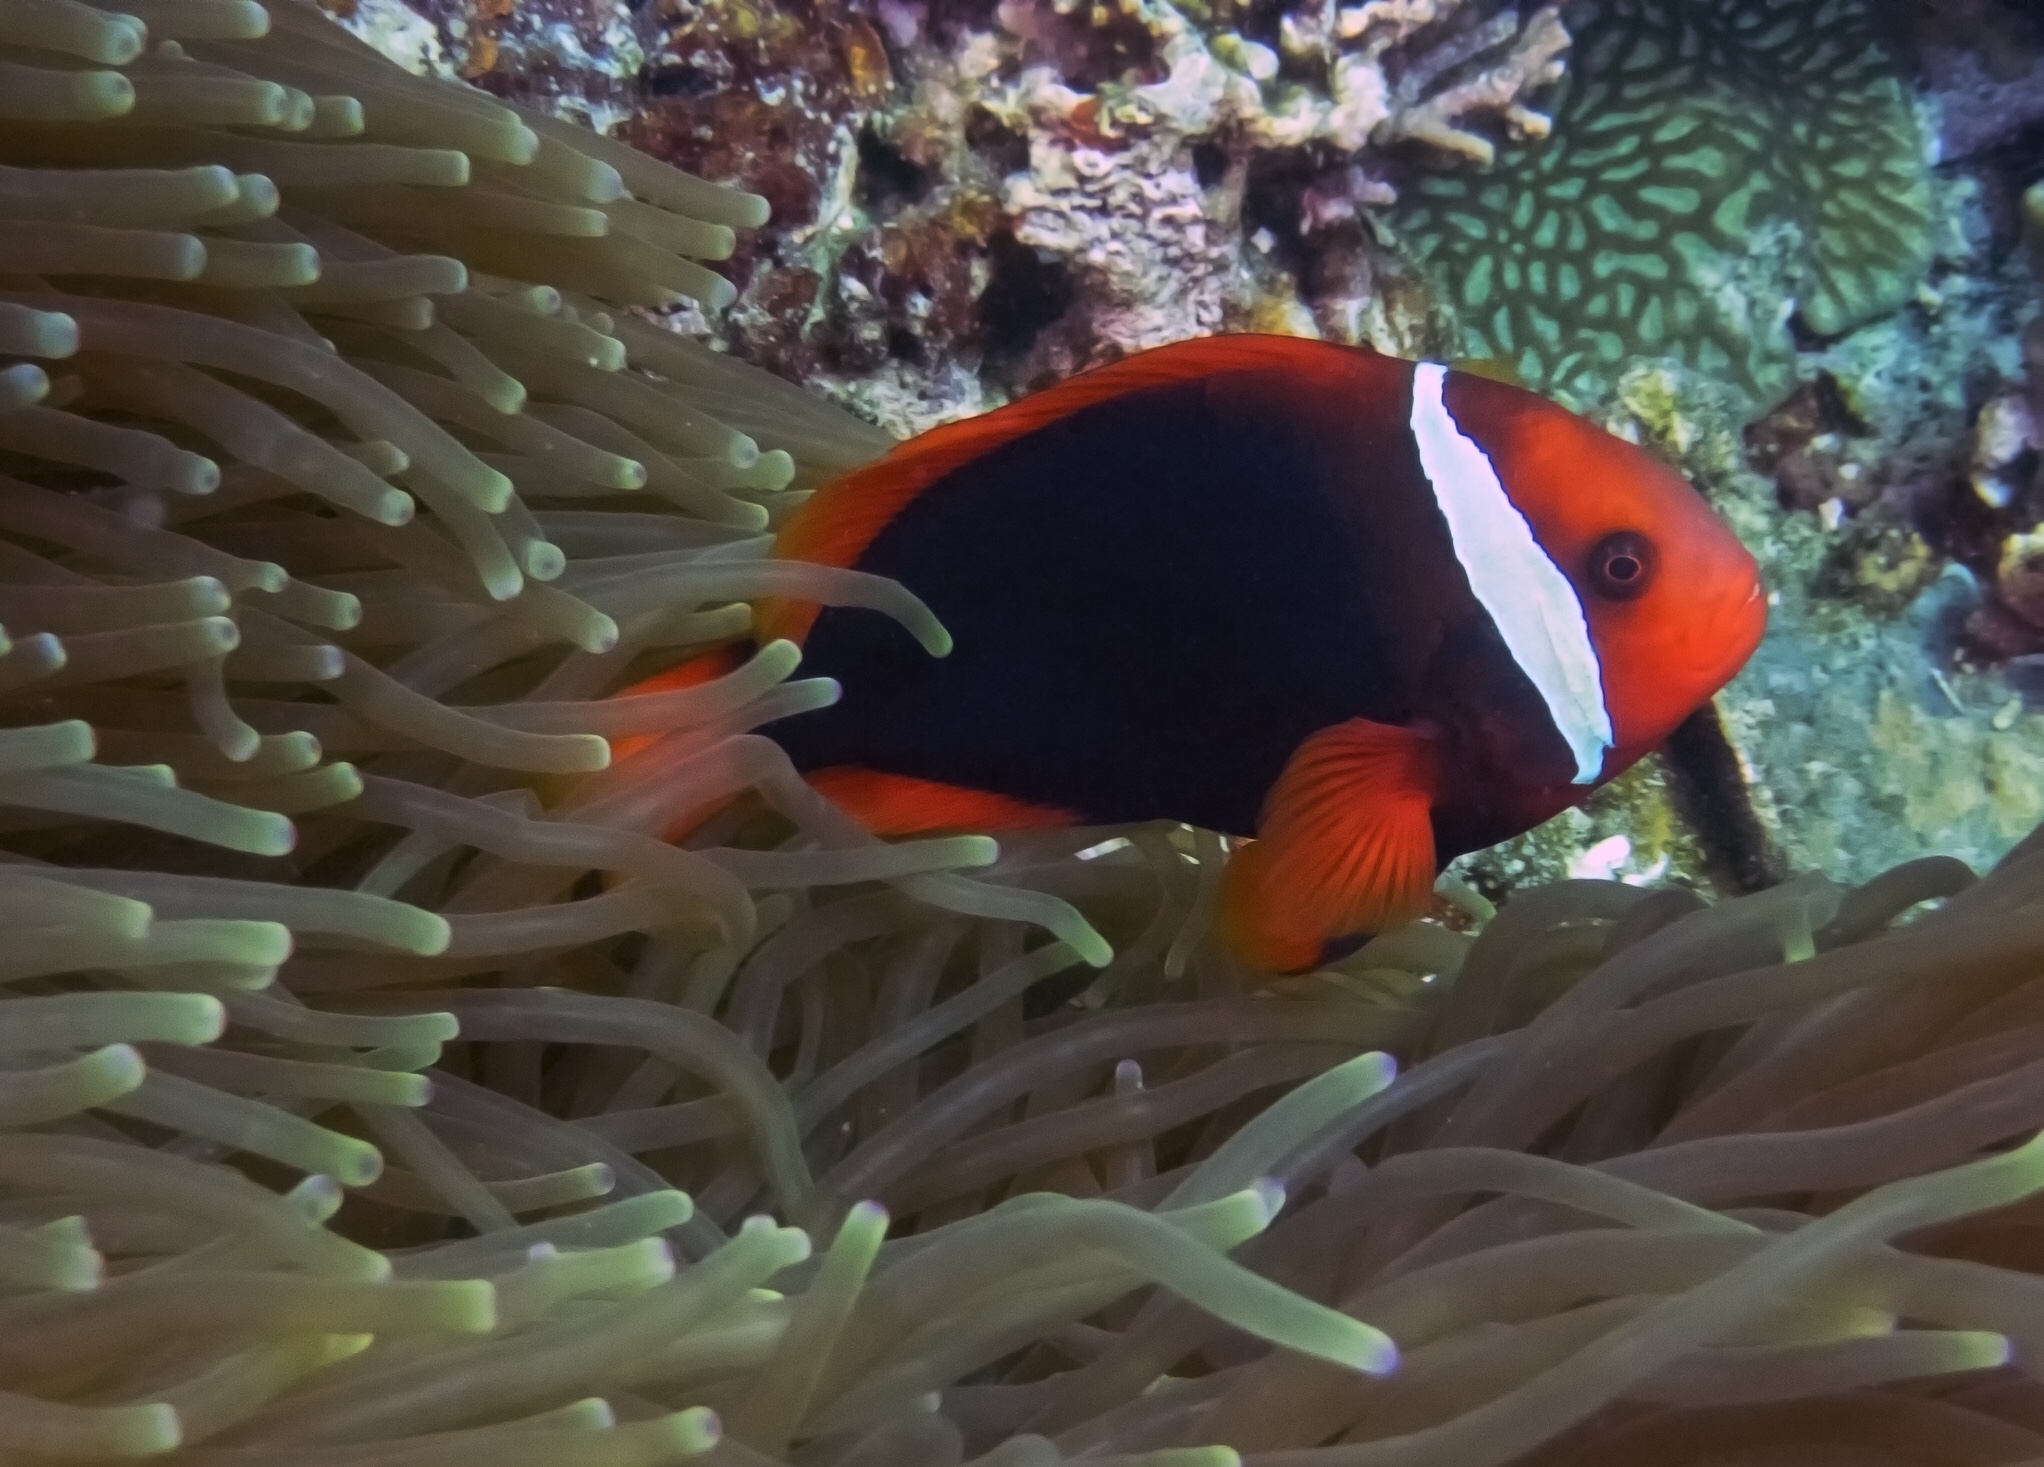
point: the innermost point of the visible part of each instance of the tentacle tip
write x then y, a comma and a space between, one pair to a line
504, 584
699, 1428
434, 937
544, 562
359, 1165
1270, 1195
276, 836
209, 1018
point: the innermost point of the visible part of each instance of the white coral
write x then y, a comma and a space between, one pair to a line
403, 35
1135, 220
1362, 103
1532, 58
2005, 433
1382, 24
1225, 80
1110, 187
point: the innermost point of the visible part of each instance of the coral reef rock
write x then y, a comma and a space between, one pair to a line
1870, 726
1711, 168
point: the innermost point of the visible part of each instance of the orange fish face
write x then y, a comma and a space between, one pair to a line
1673, 602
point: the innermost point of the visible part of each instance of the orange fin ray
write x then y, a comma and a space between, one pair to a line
1345, 845
694, 673
894, 804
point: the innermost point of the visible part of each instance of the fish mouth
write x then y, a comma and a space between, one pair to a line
1726, 630
1743, 622
1755, 606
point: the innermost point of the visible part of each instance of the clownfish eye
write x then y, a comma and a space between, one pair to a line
1622, 565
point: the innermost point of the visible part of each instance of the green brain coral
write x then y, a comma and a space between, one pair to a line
1713, 165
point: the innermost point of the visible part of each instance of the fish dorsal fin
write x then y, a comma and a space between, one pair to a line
844, 517
1345, 844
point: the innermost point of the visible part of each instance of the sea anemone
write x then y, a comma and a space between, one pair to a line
381, 1089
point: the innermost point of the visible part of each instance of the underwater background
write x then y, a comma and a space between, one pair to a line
1781, 243
387, 388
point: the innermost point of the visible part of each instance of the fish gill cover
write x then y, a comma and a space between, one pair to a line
375, 1090
1713, 165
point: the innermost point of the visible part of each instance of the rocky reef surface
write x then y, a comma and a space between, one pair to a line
1783, 241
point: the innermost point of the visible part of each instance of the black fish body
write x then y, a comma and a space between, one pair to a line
1370, 612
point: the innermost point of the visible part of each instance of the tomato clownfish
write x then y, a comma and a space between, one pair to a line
1373, 613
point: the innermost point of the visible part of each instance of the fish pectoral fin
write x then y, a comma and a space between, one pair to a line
1346, 844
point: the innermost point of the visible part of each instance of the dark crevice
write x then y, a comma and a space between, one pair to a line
1004, 149
1806, 337
1261, 20
903, 345
1958, 524
679, 82
1041, 1000
2019, 158
1273, 197
1024, 294
1109, 52
949, 20
1708, 789
888, 181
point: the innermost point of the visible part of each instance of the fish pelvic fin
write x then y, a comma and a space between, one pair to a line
1345, 844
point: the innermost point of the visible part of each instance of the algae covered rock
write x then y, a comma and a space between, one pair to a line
1712, 168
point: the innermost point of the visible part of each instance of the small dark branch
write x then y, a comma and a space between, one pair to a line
1709, 792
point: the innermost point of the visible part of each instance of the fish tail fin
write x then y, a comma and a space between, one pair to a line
1346, 844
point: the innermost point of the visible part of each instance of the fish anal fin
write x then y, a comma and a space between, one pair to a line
895, 804
1345, 845
690, 674
837, 523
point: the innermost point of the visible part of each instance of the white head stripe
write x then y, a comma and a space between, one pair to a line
1531, 601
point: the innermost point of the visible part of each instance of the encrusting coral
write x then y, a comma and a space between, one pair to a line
1712, 167
1113, 187
2005, 478
973, 199
379, 1090
1490, 68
